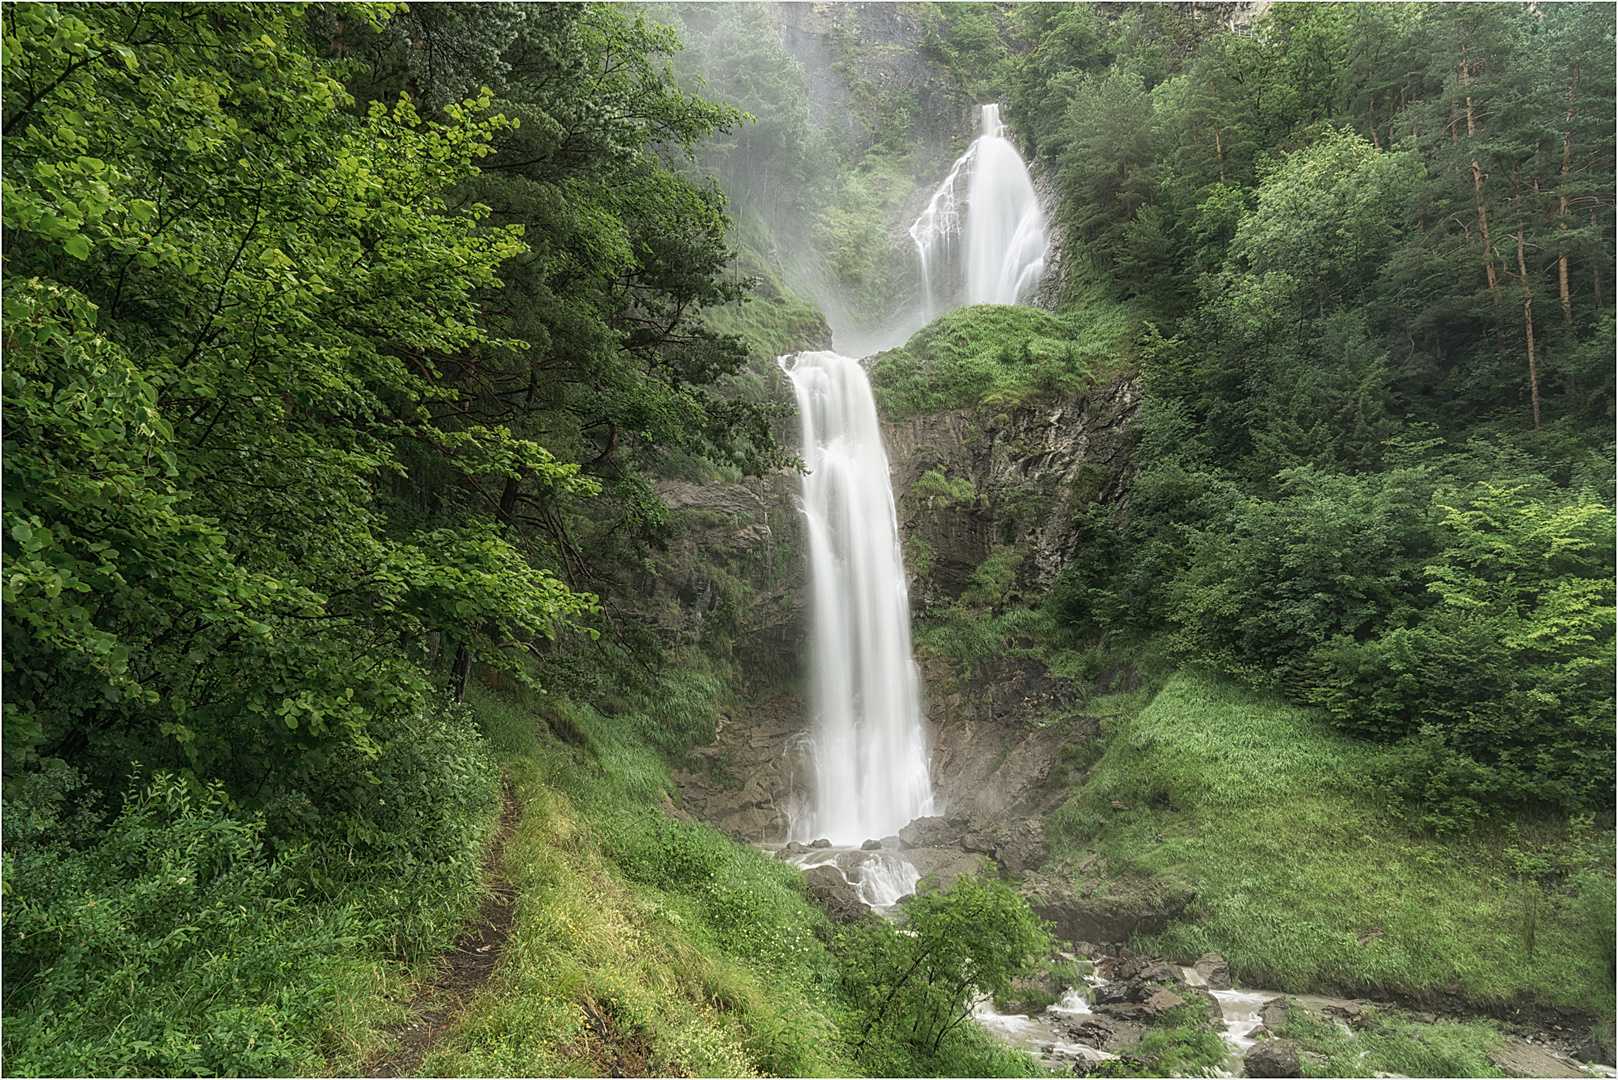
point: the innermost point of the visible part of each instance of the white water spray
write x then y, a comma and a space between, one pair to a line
988, 245
869, 747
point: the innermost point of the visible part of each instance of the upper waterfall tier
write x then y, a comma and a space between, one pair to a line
982, 237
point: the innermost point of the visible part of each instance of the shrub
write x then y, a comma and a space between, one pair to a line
168, 947
996, 354
917, 986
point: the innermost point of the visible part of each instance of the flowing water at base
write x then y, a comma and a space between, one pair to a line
1045, 1035
881, 877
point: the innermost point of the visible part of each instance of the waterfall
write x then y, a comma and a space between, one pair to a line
981, 239
987, 247
869, 748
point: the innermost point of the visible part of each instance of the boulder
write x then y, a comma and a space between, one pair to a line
1349, 1012
1159, 972
791, 849
1134, 1012
871, 845
1596, 1052
834, 895
1113, 918
1021, 847
1214, 971
1277, 1057
1273, 1013
929, 832
1093, 1031
1519, 1058
944, 865
1160, 1001
1114, 993
821, 843
1599, 1048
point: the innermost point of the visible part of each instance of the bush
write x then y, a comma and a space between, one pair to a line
917, 986
171, 946
995, 354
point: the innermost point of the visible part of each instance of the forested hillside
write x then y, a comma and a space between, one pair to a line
392, 432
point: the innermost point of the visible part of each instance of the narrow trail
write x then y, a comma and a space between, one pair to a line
465, 968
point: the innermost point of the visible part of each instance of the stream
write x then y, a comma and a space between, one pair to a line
1045, 1034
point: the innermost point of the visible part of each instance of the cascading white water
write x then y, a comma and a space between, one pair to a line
988, 247
869, 748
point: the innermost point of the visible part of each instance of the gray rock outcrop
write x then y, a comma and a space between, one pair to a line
1520, 1058
1214, 971
834, 895
1276, 1057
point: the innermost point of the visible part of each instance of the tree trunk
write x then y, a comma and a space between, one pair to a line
1528, 322
461, 673
1477, 187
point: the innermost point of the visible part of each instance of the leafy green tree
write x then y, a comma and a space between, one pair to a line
223, 294
1331, 556
1504, 690
918, 985
1108, 169
605, 357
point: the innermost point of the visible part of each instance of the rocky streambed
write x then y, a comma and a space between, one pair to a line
1126, 997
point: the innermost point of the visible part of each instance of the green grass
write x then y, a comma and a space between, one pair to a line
999, 355
1305, 881
702, 955
699, 956
1392, 1046
173, 940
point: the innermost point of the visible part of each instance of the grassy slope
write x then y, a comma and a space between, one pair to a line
1305, 878
699, 956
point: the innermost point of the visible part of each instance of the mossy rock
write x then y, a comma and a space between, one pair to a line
995, 354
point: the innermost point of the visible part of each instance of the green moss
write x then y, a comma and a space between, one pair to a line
993, 354
934, 485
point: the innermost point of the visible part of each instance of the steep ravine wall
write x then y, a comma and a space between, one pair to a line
1032, 469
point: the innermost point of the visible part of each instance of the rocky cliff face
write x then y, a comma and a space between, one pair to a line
846, 46
1014, 480
1030, 470
734, 575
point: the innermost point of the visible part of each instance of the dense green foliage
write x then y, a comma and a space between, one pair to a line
1370, 477
995, 355
700, 954
344, 344
282, 346
913, 989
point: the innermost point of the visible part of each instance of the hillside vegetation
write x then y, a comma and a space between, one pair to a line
351, 352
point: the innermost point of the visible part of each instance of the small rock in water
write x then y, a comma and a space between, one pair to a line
1278, 1057
871, 845
821, 843
1214, 970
